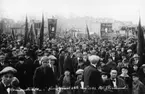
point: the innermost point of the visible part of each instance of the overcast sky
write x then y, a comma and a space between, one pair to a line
123, 10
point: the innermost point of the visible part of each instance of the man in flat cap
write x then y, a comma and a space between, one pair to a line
44, 77
52, 64
91, 74
7, 75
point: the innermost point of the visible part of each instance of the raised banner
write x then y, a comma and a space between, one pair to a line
52, 24
106, 29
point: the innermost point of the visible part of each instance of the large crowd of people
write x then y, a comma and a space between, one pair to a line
108, 66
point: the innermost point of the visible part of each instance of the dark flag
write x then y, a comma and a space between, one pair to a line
41, 33
1, 27
32, 36
88, 34
13, 34
26, 32
140, 44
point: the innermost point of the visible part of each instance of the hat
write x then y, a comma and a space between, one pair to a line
52, 57
25, 49
48, 50
7, 70
13, 49
143, 66
21, 58
135, 56
39, 52
135, 74
44, 59
104, 73
21, 47
129, 50
79, 71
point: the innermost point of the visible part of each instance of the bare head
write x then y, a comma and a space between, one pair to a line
94, 59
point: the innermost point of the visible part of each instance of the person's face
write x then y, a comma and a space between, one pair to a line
21, 61
124, 71
1, 58
85, 57
109, 60
54, 52
135, 78
123, 57
70, 50
122, 49
129, 53
51, 61
25, 51
113, 54
144, 70
118, 52
7, 78
66, 73
104, 77
39, 57
135, 67
136, 58
113, 73
63, 52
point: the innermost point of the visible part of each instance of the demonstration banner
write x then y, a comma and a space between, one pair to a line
52, 24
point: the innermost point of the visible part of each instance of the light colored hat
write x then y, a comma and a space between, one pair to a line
21, 47
13, 49
143, 66
129, 50
52, 57
44, 59
7, 70
79, 71
135, 56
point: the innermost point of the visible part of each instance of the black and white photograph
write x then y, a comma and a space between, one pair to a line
72, 46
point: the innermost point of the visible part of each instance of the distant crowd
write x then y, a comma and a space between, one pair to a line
81, 63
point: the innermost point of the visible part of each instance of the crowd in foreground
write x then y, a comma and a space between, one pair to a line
111, 67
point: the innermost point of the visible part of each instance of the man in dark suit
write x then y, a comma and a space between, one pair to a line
91, 74
117, 83
7, 77
44, 77
52, 61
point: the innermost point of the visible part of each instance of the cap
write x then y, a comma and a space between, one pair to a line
135, 74
79, 71
52, 57
39, 52
143, 66
129, 50
8, 69
44, 59
135, 56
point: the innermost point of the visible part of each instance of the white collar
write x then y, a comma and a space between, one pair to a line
4, 83
93, 65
